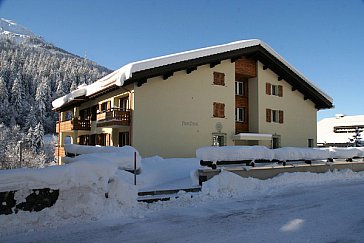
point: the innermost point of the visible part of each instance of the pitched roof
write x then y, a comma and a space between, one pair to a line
141, 71
327, 126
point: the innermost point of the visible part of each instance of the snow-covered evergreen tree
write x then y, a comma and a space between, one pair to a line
38, 137
4, 102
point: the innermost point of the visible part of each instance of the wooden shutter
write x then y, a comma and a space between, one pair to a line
268, 88
280, 90
222, 110
281, 117
218, 110
268, 115
108, 107
219, 78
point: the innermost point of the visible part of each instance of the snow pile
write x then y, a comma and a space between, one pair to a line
291, 153
87, 190
160, 173
122, 156
234, 153
238, 153
228, 184
344, 153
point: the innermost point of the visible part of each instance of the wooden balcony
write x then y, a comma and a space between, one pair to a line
74, 124
113, 117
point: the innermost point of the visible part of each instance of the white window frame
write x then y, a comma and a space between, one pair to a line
275, 91
239, 88
240, 114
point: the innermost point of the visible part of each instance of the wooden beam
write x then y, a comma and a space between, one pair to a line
279, 78
190, 70
294, 89
167, 75
213, 64
265, 67
305, 98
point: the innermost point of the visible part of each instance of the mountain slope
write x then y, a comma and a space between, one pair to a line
34, 72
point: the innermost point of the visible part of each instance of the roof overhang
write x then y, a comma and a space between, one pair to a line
140, 72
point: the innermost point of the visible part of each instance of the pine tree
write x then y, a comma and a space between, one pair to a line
4, 102
38, 137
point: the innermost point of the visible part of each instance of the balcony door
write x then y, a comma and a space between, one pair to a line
124, 103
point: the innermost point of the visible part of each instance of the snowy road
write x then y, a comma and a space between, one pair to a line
320, 213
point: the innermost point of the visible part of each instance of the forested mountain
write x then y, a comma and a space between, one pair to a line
33, 73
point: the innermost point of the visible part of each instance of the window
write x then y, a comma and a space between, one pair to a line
124, 104
274, 116
310, 143
124, 139
103, 139
219, 139
219, 78
219, 110
276, 90
83, 140
240, 114
68, 115
93, 111
103, 107
239, 88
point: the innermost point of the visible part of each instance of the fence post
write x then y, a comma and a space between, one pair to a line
135, 168
20, 152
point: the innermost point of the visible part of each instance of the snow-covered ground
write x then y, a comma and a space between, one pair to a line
294, 207
299, 207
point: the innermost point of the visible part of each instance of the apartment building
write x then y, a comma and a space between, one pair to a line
240, 93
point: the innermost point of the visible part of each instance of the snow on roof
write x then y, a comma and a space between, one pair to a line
325, 128
119, 76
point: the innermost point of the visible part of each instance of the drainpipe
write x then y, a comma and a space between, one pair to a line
59, 137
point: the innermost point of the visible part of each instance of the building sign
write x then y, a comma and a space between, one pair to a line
189, 124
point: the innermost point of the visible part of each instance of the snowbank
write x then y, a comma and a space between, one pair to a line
291, 153
122, 156
344, 153
87, 191
159, 173
234, 153
228, 184
84, 149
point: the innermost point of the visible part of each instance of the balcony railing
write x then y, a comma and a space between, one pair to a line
113, 117
74, 124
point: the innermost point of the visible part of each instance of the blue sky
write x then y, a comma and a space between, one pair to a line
324, 39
